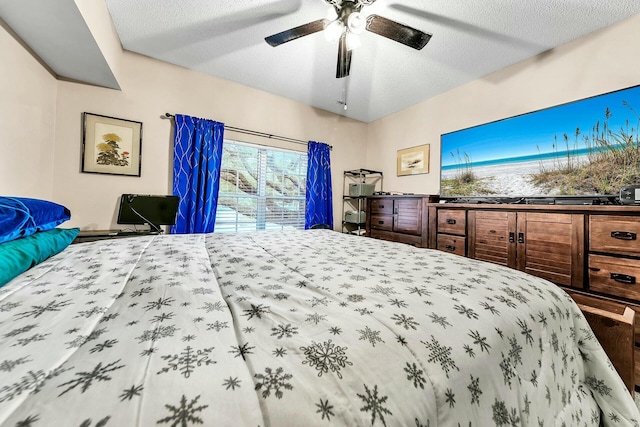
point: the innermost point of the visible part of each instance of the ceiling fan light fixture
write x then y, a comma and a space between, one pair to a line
353, 41
344, 27
356, 23
333, 31
332, 15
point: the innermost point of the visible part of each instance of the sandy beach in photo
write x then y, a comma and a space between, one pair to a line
514, 179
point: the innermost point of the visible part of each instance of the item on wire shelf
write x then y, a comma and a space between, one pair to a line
361, 189
357, 217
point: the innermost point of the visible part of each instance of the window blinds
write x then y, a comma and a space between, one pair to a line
261, 188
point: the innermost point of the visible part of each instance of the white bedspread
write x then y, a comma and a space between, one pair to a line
297, 328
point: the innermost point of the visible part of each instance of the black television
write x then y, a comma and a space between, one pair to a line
583, 149
139, 209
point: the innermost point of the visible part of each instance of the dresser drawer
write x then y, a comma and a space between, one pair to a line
381, 206
452, 221
614, 234
382, 222
453, 244
612, 305
398, 237
615, 276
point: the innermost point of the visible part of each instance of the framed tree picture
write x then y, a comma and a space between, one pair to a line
111, 146
414, 160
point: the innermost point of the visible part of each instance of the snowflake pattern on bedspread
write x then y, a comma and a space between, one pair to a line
295, 328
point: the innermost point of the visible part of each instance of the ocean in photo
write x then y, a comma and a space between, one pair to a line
512, 177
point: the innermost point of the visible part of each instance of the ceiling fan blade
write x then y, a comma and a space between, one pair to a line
397, 32
344, 58
297, 32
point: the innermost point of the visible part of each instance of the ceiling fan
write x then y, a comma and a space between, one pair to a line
349, 23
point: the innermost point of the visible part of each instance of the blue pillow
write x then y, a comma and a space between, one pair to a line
17, 256
21, 216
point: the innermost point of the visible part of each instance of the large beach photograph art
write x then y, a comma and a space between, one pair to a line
587, 147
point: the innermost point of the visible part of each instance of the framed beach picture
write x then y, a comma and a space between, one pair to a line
111, 145
414, 160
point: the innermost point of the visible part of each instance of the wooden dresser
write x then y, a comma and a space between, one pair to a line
593, 252
400, 218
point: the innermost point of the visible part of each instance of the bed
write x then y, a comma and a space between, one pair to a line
295, 328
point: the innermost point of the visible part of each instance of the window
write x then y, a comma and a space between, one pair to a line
261, 188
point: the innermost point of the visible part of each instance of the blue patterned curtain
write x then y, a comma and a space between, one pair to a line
196, 173
319, 204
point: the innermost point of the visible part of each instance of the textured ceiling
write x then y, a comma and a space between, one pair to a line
470, 39
225, 38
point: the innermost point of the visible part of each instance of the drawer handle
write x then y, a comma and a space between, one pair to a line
380, 222
381, 206
512, 237
451, 221
623, 235
450, 248
624, 278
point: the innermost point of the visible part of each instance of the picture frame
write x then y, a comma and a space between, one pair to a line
111, 145
413, 160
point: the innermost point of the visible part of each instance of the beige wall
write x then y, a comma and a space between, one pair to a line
151, 88
604, 61
27, 122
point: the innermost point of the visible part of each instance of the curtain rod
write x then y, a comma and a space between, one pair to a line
254, 133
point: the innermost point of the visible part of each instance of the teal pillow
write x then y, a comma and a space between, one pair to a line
17, 256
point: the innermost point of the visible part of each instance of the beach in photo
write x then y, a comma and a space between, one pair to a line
514, 179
